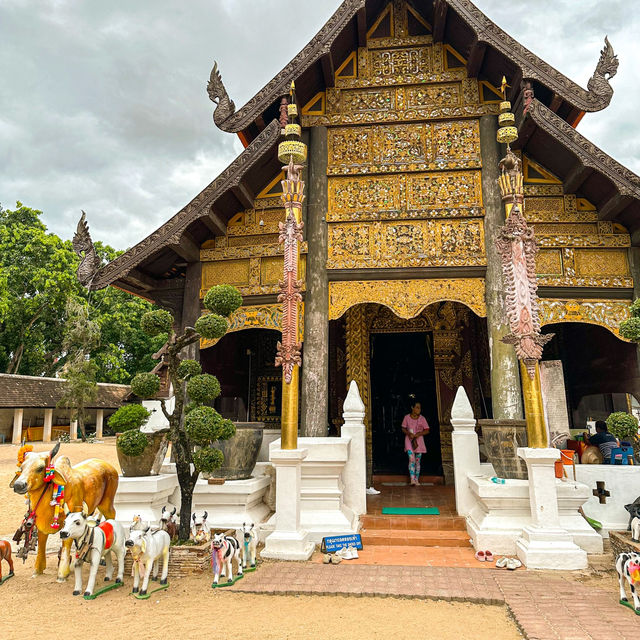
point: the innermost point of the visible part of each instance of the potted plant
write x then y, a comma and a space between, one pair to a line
624, 426
139, 454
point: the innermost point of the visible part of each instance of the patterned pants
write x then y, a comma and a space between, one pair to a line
414, 464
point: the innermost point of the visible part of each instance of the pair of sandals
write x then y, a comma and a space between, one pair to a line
484, 556
508, 563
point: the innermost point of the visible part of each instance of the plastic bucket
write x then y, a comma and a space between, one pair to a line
566, 456
558, 466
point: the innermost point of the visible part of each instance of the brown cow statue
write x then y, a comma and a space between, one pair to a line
93, 481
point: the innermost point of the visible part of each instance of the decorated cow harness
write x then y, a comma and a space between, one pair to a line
86, 542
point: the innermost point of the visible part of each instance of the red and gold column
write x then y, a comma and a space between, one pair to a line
292, 152
517, 247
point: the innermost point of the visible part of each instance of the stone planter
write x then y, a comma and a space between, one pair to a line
240, 452
149, 462
501, 441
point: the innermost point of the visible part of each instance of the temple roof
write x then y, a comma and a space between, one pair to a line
489, 51
33, 391
155, 267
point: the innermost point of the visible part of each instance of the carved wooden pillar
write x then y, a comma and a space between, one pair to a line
506, 397
191, 304
315, 371
357, 330
446, 349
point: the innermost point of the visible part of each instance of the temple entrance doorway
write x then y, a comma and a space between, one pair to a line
402, 371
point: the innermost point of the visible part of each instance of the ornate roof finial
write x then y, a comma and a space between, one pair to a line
83, 246
292, 152
606, 68
225, 107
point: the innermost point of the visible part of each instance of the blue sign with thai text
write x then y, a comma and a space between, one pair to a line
333, 543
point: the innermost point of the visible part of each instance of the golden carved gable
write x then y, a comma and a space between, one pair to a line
576, 248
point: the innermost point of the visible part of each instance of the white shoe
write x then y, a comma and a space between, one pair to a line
353, 552
343, 553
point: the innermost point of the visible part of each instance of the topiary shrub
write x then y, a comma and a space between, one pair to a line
131, 416
203, 388
188, 369
630, 329
208, 459
154, 323
201, 425
211, 326
132, 443
145, 385
623, 425
226, 430
223, 299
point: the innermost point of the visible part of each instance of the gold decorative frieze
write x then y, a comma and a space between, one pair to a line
556, 209
267, 316
230, 253
578, 240
403, 103
420, 243
248, 241
601, 263
420, 195
543, 190
406, 298
565, 228
606, 313
404, 147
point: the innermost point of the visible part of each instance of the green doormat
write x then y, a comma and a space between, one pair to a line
410, 511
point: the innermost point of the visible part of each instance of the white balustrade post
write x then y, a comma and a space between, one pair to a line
545, 544
466, 452
354, 474
48, 421
99, 422
18, 414
288, 540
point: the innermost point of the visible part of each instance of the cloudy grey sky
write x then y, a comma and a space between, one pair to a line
103, 105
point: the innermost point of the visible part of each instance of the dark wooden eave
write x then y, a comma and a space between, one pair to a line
154, 268
583, 167
490, 50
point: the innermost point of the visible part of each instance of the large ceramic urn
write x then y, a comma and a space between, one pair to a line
149, 462
240, 452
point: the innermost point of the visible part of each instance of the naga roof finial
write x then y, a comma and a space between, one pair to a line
606, 68
83, 246
225, 107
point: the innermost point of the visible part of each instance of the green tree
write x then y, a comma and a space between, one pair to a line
38, 275
191, 423
81, 336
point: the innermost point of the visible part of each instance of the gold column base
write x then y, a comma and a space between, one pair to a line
533, 408
289, 428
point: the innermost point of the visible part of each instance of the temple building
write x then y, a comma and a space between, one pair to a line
402, 287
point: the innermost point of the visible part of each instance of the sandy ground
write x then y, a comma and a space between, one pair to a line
191, 609
12, 506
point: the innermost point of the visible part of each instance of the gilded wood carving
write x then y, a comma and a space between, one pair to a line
406, 298
606, 313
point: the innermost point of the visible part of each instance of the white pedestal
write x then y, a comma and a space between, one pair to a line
549, 548
233, 503
144, 496
288, 541
501, 512
545, 545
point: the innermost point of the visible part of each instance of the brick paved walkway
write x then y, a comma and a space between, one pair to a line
544, 607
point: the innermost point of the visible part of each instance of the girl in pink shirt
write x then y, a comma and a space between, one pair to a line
414, 427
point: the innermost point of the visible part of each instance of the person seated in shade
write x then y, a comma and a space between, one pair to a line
415, 427
602, 439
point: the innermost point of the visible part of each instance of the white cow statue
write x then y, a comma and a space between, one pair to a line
200, 530
94, 542
147, 547
249, 544
628, 568
224, 549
